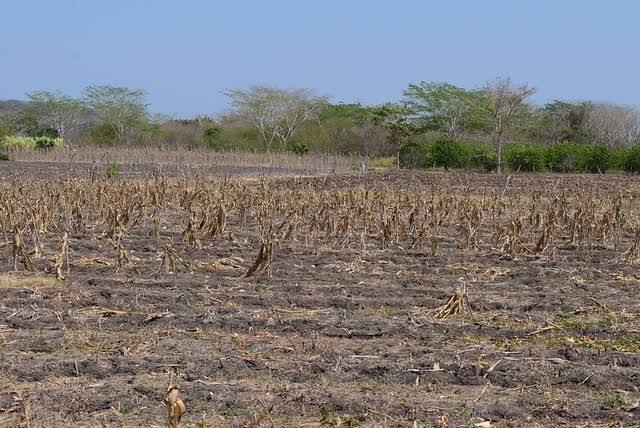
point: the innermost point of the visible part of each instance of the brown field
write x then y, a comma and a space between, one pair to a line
336, 324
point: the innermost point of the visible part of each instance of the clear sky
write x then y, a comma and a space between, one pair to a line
186, 53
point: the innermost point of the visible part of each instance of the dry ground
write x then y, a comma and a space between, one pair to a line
335, 337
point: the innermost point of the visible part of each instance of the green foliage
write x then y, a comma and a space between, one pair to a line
562, 156
123, 109
443, 107
103, 135
632, 162
386, 162
47, 143
356, 113
18, 142
593, 158
211, 135
524, 157
482, 156
46, 132
24, 142
299, 148
449, 153
112, 170
562, 121
612, 400
5, 131
4, 156
619, 157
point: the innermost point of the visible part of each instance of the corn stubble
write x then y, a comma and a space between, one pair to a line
195, 216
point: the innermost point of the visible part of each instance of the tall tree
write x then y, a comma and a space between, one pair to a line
276, 113
442, 107
55, 110
122, 109
613, 125
502, 103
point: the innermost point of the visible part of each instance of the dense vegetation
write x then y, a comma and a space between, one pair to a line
434, 125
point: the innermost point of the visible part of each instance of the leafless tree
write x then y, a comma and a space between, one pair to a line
503, 99
276, 113
613, 125
56, 110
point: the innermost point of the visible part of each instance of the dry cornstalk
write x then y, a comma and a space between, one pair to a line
20, 252
263, 261
175, 405
63, 257
169, 259
457, 303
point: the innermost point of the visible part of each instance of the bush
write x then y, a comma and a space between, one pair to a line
618, 158
5, 131
103, 135
47, 143
482, 156
299, 148
25, 143
17, 142
385, 162
211, 135
4, 157
450, 153
46, 132
524, 157
593, 158
632, 162
562, 156
112, 170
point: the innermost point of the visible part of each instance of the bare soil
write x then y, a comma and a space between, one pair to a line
335, 336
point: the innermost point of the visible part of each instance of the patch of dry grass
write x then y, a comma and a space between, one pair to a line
10, 280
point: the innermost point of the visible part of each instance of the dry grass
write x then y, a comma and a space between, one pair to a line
8, 280
318, 162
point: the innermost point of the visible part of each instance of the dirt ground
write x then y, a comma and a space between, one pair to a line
335, 336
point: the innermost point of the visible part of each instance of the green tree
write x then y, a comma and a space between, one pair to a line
394, 118
562, 121
442, 107
122, 109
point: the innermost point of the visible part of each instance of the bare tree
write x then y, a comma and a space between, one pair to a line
503, 99
276, 113
124, 110
613, 125
56, 110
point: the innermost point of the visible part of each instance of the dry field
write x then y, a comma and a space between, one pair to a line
378, 299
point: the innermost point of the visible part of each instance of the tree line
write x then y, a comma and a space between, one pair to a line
432, 121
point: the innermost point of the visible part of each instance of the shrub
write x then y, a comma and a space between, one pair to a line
47, 132
46, 143
4, 157
211, 135
17, 142
5, 131
524, 157
451, 153
386, 162
482, 156
299, 148
618, 158
23, 142
562, 156
101, 134
112, 170
632, 162
593, 158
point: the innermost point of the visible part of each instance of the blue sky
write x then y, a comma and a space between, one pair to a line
186, 53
